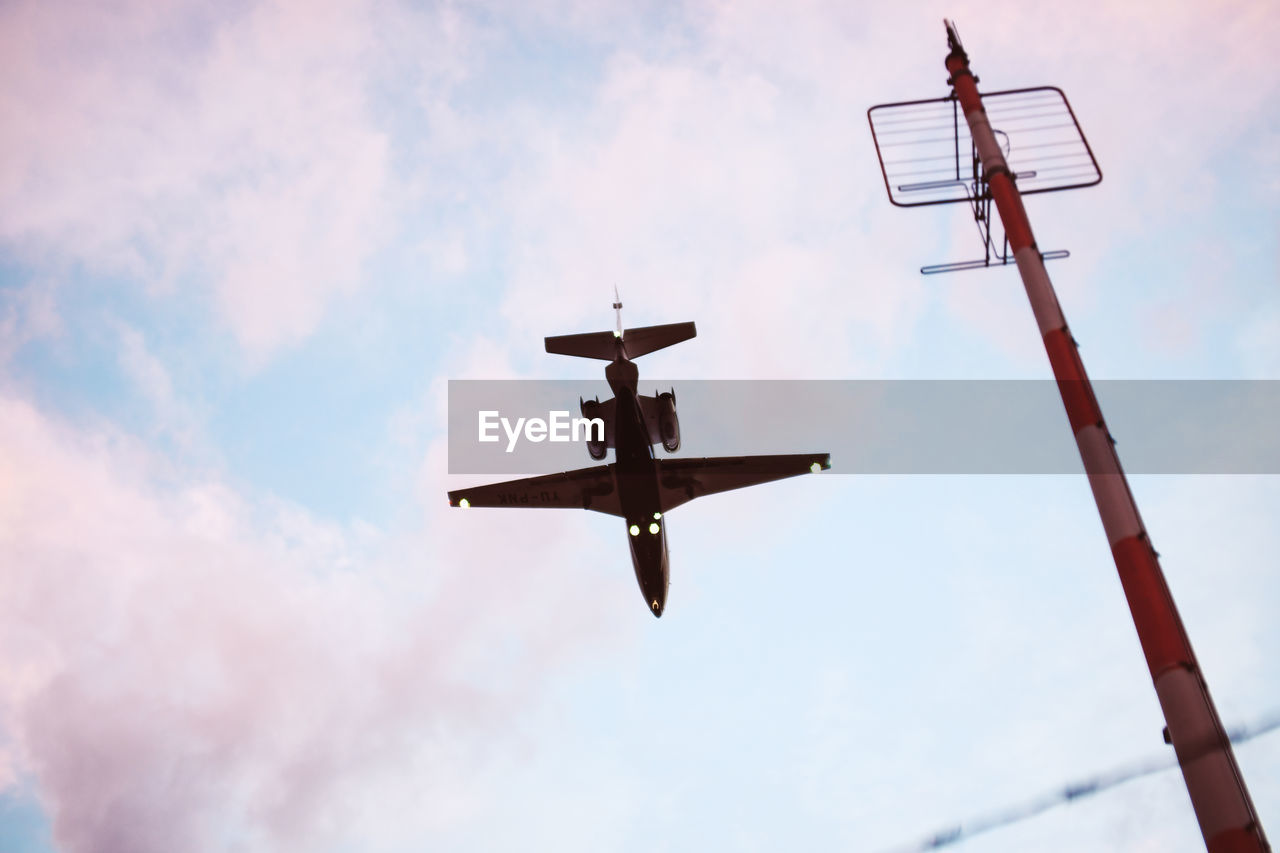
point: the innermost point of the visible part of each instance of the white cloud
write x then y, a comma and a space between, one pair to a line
180, 662
28, 313
194, 664
234, 148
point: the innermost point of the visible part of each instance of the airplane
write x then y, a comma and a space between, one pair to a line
637, 486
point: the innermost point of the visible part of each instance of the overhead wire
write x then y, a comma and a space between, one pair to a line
1071, 792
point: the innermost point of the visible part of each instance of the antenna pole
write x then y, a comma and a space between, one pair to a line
1218, 792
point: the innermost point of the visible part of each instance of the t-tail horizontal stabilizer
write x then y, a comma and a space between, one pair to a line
634, 342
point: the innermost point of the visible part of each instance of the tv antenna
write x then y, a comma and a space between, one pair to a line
929, 155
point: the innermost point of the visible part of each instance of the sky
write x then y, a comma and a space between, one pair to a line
243, 248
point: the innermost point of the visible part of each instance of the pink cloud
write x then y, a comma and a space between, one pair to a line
706, 189
28, 314
234, 148
180, 665
728, 176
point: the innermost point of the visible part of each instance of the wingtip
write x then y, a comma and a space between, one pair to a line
821, 463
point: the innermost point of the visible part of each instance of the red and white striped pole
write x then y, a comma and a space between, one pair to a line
1218, 792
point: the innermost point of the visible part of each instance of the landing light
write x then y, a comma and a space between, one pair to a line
657, 515
653, 528
815, 467
464, 503
617, 334
635, 530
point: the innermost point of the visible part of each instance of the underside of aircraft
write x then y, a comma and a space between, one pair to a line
636, 486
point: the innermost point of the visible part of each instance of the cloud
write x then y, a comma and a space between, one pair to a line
182, 665
169, 415
233, 149
27, 314
724, 164
704, 182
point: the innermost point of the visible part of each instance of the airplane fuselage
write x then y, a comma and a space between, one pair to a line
635, 473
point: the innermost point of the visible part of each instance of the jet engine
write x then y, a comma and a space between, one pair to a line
591, 409
668, 423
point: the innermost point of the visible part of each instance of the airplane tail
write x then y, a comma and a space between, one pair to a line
633, 342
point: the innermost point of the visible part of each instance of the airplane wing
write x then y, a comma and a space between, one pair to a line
586, 488
682, 480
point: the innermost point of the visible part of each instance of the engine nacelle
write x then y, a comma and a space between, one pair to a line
591, 409
668, 422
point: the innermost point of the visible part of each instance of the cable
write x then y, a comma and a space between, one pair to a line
1070, 793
